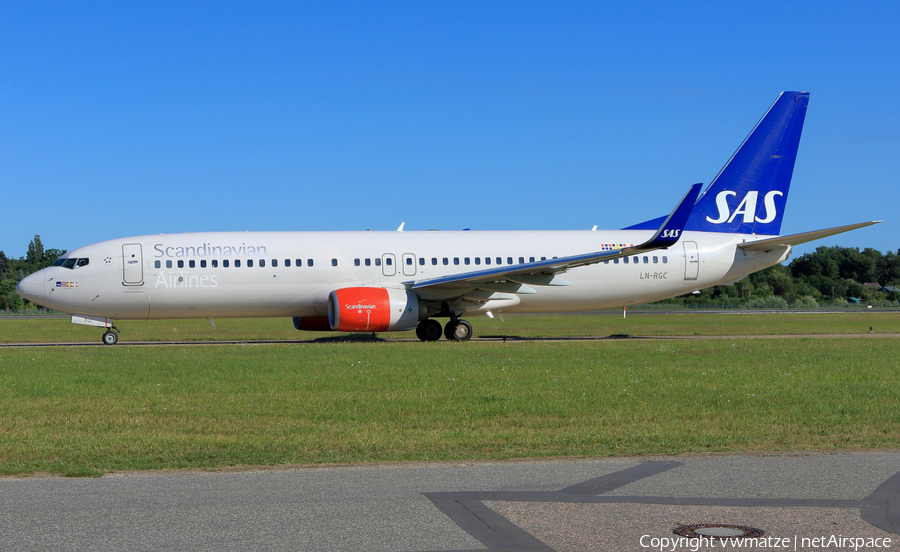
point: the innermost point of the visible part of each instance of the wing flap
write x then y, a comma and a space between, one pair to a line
543, 273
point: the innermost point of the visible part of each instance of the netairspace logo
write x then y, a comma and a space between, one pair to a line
831, 542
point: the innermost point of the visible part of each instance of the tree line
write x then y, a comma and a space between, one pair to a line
13, 270
831, 276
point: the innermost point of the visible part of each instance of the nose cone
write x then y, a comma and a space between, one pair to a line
32, 287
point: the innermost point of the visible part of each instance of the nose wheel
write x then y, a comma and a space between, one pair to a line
110, 337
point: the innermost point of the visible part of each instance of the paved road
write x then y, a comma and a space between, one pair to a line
494, 338
604, 504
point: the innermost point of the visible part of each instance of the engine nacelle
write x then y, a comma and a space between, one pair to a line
312, 323
373, 309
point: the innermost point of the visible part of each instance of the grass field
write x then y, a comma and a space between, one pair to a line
566, 325
89, 410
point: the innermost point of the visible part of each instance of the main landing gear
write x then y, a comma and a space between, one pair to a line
455, 330
429, 330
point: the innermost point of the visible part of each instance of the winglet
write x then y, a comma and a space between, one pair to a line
670, 230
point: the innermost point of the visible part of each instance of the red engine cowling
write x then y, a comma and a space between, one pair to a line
372, 309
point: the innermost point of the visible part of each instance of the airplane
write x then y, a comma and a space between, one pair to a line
364, 281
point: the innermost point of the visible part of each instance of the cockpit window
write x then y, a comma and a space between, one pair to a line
69, 263
82, 262
59, 261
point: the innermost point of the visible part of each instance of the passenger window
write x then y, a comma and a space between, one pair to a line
478, 260
509, 260
409, 261
180, 264
309, 262
82, 262
225, 263
646, 260
262, 263
521, 260
368, 262
215, 263
655, 259
274, 263
499, 260
249, 263
487, 260
434, 260
298, 262
543, 258
333, 262
421, 261
625, 259
665, 259
192, 264
466, 260
389, 261
355, 262
377, 261
605, 262
237, 263
456, 260
203, 263
616, 261
530, 259
157, 264
446, 261
636, 259
287, 262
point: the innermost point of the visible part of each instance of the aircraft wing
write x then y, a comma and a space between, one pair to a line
543, 273
796, 239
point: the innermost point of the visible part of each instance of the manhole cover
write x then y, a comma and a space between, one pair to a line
718, 530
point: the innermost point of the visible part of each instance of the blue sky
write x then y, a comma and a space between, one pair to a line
120, 119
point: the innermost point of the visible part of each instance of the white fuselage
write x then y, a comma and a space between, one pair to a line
185, 275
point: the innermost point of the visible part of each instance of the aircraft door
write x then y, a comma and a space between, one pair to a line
409, 264
132, 264
691, 261
388, 264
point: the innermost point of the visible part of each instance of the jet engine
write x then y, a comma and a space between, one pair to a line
373, 309
312, 323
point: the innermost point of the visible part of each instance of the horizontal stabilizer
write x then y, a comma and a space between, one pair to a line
797, 239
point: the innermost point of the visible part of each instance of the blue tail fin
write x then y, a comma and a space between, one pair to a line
749, 194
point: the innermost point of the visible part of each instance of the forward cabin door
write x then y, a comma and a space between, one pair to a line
132, 264
691, 261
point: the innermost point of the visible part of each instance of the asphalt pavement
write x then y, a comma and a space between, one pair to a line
809, 501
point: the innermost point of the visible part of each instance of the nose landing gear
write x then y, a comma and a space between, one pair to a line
111, 337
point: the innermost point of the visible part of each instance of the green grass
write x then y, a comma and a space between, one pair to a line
569, 325
89, 410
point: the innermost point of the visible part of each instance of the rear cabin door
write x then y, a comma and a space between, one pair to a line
691, 261
132, 264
